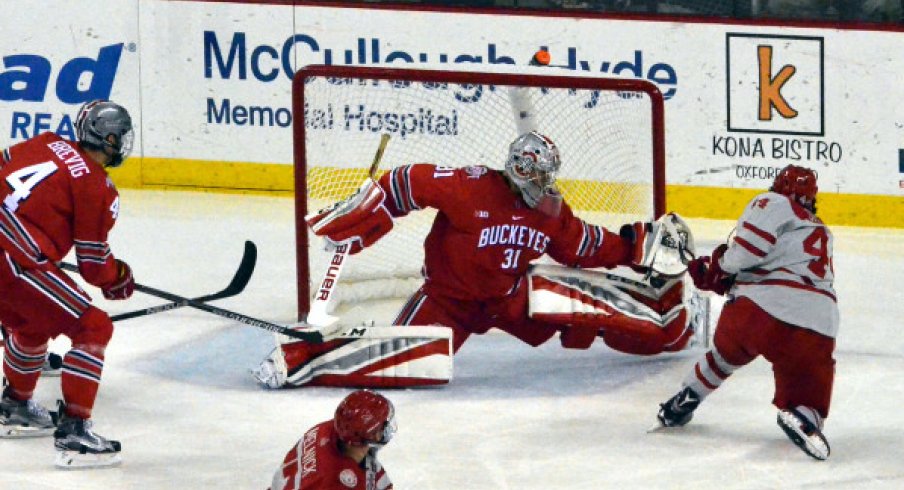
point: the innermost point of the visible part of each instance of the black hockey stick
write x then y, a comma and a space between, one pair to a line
314, 337
236, 286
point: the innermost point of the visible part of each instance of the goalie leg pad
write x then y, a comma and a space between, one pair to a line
634, 316
373, 357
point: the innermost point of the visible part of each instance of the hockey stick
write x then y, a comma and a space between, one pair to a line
236, 286
319, 316
310, 336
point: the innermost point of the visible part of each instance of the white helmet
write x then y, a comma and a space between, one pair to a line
532, 165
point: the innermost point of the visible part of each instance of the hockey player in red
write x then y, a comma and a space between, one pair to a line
341, 454
58, 196
777, 272
478, 274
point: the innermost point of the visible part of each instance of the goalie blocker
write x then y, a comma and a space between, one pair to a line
364, 357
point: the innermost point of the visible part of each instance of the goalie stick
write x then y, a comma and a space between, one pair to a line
318, 316
308, 336
236, 286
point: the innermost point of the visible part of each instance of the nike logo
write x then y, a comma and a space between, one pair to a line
517, 218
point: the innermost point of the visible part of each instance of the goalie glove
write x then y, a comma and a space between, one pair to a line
664, 246
359, 220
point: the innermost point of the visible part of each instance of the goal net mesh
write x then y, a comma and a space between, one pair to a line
608, 132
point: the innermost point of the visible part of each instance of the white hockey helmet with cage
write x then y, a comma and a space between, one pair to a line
103, 124
532, 164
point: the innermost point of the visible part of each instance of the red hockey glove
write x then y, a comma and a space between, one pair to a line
708, 275
361, 219
124, 286
636, 235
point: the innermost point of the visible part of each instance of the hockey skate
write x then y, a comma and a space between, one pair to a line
19, 419
804, 434
271, 373
78, 446
678, 410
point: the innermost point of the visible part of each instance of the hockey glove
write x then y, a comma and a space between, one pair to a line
124, 285
360, 220
708, 275
638, 236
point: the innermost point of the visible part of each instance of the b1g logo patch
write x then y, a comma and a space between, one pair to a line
475, 171
348, 478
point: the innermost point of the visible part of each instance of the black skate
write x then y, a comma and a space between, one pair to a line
20, 419
78, 446
678, 410
804, 434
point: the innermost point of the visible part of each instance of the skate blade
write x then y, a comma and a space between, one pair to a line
814, 445
74, 460
23, 432
658, 427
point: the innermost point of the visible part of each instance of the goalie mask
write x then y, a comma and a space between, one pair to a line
799, 184
532, 165
365, 418
106, 126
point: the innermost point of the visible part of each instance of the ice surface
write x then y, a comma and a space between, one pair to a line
177, 393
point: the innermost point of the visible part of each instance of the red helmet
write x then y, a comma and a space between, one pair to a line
798, 183
365, 418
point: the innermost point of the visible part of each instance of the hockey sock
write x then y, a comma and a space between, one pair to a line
22, 367
709, 373
80, 380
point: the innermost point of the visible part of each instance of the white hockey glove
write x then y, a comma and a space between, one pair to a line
664, 246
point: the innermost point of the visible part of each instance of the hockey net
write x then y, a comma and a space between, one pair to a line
609, 133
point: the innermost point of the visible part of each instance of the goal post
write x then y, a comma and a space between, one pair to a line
609, 131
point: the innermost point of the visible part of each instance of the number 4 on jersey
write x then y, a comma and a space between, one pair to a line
22, 181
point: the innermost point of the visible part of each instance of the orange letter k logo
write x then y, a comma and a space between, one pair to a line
771, 88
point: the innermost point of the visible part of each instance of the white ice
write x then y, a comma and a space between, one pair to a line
177, 393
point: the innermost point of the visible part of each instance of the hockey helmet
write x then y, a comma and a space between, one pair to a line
365, 418
532, 164
799, 184
103, 124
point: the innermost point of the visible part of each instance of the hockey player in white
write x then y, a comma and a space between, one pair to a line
777, 272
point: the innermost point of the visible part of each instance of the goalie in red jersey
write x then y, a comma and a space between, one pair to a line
777, 272
58, 196
342, 453
478, 273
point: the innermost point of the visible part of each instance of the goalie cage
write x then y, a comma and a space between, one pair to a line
609, 131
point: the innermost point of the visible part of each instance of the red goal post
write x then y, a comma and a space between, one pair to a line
610, 132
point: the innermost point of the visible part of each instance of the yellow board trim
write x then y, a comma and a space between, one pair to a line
690, 201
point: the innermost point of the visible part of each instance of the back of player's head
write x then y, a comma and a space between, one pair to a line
532, 164
103, 124
365, 418
799, 184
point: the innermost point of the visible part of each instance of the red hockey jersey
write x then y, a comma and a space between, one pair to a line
484, 236
315, 463
56, 197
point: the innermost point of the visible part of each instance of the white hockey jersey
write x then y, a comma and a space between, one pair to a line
782, 255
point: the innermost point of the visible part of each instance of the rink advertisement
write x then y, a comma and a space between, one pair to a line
213, 96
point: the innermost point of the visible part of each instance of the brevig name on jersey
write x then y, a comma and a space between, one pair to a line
67, 154
520, 235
